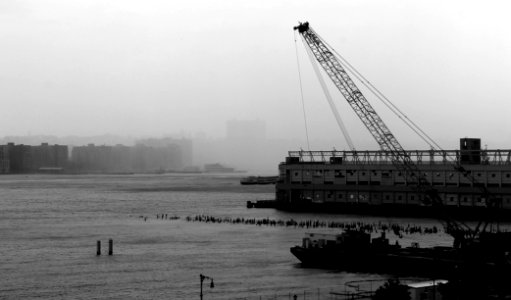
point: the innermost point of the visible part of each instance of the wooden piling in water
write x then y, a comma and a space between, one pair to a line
98, 248
110, 247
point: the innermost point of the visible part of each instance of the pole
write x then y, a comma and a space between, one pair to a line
434, 290
201, 280
110, 247
202, 277
98, 248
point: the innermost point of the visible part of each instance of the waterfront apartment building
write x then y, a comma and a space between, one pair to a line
181, 150
119, 158
30, 159
4, 159
45, 158
100, 158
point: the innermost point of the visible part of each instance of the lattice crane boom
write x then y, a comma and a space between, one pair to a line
367, 114
372, 121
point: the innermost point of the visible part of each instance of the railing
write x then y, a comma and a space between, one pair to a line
485, 157
333, 293
350, 290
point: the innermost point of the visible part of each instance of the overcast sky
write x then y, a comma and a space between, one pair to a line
158, 67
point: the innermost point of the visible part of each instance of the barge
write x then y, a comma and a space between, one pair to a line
355, 251
251, 180
369, 182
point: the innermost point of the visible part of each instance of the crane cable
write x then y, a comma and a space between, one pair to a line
330, 101
392, 107
301, 94
413, 126
424, 136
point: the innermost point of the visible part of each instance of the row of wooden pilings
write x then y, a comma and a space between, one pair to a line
110, 247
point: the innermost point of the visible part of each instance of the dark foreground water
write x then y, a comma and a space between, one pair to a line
49, 226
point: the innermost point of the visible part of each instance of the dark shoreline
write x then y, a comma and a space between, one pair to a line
387, 210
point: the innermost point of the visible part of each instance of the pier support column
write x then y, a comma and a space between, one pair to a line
110, 247
98, 248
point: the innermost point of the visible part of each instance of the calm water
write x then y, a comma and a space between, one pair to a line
49, 226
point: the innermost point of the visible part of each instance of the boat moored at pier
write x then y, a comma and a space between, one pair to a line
356, 251
250, 180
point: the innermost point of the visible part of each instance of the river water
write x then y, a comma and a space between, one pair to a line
49, 226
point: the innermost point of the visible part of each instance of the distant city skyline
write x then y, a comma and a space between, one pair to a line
257, 156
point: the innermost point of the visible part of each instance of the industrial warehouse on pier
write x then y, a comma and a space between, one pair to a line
368, 180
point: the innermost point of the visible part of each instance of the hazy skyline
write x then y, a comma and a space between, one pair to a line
154, 68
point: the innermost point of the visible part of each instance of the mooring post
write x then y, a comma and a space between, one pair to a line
110, 247
98, 248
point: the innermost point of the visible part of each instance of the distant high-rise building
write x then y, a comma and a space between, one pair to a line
26, 159
246, 129
181, 148
20, 158
49, 156
93, 158
119, 158
4, 159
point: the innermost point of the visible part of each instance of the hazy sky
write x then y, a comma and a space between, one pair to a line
155, 67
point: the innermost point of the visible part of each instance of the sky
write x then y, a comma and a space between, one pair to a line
154, 67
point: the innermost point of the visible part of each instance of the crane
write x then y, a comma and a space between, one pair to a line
386, 140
